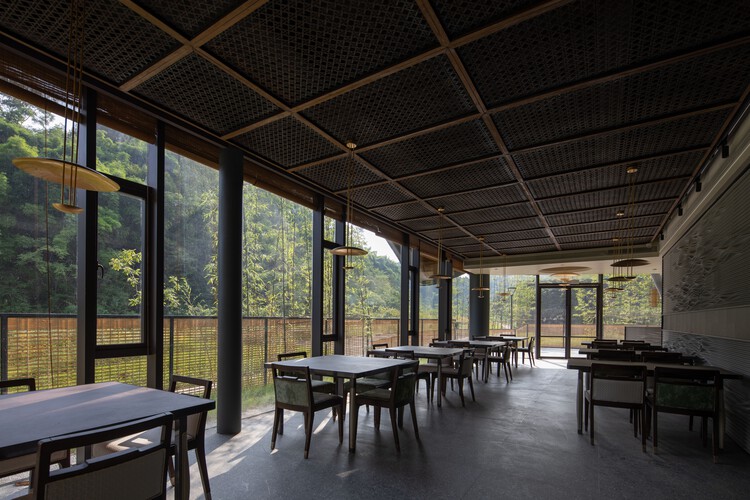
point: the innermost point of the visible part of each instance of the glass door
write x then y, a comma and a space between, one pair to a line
553, 326
567, 315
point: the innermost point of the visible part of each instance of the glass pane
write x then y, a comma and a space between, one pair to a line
121, 155
428, 302
37, 345
373, 294
553, 316
582, 318
129, 370
276, 289
120, 282
637, 308
190, 273
460, 306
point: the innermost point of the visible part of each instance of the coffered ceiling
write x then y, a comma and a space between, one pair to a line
518, 117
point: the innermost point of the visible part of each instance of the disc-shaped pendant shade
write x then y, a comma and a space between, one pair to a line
618, 279
53, 170
630, 263
348, 250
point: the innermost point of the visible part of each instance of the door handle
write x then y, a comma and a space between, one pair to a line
100, 267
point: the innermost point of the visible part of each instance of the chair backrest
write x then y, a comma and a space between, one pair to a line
661, 357
531, 344
618, 383
292, 387
291, 355
382, 345
466, 363
28, 384
379, 354
609, 344
196, 423
614, 355
686, 390
635, 345
132, 473
403, 384
399, 354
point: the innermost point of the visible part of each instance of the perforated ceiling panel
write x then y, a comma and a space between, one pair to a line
288, 143
197, 89
190, 17
411, 99
463, 142
299, 49
478, 175
517, 116
333, 175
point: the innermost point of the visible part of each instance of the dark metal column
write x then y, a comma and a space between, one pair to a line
154, 272
405, 291
229, 384
339, 291
317, 277
415, 285
87, 249
445, 304
479, 308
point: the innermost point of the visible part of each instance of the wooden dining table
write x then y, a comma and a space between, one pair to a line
584, 366
485, 343
28, 417
347, 367
425, 352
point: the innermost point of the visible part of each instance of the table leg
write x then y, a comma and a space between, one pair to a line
722, 420
182, 473
440, 382
352, 419
579, 401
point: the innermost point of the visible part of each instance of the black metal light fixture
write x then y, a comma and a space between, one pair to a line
348, 249
440, 274
481, 288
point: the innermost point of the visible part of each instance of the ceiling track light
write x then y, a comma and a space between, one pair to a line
725, 149
679, 210
698, 185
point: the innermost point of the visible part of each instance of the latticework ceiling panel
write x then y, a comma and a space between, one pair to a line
517, 116
299, 49
198, 90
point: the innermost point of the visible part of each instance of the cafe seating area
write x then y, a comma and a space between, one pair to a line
518, 437
441, 249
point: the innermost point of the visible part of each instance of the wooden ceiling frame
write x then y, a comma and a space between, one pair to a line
448, 48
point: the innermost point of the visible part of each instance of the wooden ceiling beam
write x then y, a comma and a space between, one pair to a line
432, 19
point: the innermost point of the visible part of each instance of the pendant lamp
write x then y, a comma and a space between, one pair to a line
348, 249
66, 171
440, 275
481, 288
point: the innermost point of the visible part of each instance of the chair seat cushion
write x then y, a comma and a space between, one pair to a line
319, 399
323, 386
378, 394
365, 384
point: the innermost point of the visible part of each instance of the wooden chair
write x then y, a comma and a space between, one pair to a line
25, 463
604, 343
614, 355
529, 349
382, 345
423, 374
293, 391
619, 386
400, 394
463, 371
324, 386
686, 391
136, 472
196, 431
503, 358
